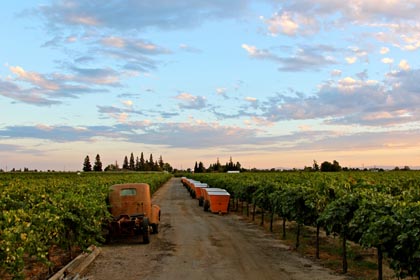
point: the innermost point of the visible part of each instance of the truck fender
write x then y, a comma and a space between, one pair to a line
155, 217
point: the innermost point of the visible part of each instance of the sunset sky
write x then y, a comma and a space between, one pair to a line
269, 83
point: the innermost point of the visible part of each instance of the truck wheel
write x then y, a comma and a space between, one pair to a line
206, 205
106, 233
145, 226
108, 238
200, 201
155, 228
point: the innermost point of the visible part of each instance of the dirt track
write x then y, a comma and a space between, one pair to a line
193, 244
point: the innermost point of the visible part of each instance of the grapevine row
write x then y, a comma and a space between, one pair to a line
379, 210
41, 210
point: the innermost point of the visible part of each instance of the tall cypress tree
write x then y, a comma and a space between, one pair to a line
151, 163
98, 164
131, 165
161, 163
87, 166
137, 163
125, 163
142, 162
201, 168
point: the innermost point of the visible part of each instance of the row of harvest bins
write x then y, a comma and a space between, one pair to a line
215, 200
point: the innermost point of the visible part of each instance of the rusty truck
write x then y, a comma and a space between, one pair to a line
132, 211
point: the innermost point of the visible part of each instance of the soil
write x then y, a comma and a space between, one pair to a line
193, 244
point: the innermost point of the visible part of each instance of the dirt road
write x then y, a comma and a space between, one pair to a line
193, 244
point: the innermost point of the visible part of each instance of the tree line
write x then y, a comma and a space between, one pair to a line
217, 167
138, 163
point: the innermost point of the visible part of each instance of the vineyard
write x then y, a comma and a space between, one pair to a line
41, 211
378, 210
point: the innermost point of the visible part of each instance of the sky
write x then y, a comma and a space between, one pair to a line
268, 83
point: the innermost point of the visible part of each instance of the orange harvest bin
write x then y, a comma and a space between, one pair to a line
199, 192
216, 200
190, 185
206, 190
184, 181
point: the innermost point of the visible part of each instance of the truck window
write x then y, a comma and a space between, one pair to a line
128, 192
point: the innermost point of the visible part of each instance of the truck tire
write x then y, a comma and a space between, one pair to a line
200, 201
145, 229
206, 205
155, 228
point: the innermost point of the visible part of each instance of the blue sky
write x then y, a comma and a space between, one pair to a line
268, 83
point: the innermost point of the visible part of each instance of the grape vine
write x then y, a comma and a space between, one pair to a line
379, 210
42, 210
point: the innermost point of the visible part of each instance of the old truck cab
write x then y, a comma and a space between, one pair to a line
132, 211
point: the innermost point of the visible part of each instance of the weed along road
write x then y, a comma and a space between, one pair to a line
193, 244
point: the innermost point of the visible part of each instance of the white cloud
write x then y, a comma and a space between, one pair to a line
283, 23
351, 60
404, 65
384, 50
96, 76
352, 101
412, 47
116, 42
253, 51
122, 118
336, 73
258, 121
359, 12
196, 134
291, 23
46, 89
44, 127
371, 82
221, 91
84, 20
305, 127
404, 35
358, 52
186, 96
132, 46
387, 60
34, 78
378, 115
391, 21
251, 99
190, 101
305, 58
128, 103
348, 83
139, 15
146, 46
71, 39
